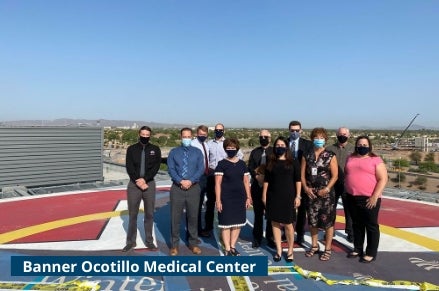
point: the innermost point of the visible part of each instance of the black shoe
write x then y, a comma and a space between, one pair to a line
151, 247
128, 247
256, 244
353, 255
205, 233
363, 260
234, 252
276, 257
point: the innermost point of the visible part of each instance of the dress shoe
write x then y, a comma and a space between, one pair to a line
151, 247
173, 251
256, 244
205, 233
129, 247
195, 250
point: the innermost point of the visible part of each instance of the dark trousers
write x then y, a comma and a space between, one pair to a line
210, 203
203, 188
301, 216
184, 199
258, 209
364, 222
134, 197
340, 192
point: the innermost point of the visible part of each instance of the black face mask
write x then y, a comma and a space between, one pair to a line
263, 141
201, 138
342, 138
219, 133
278, 151
362, 150
144, 140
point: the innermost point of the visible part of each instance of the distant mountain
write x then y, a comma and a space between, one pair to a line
90, 122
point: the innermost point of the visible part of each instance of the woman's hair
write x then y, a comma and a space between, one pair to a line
231, 142
319, 131
272, 159
371, 153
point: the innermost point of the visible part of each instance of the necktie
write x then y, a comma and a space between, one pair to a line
263, 158
293, 149
185, 164
142, 163
206, 163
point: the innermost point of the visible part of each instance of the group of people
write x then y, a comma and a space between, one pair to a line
292, 181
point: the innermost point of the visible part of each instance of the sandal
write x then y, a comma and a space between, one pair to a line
234, 252
312, 251
290, 258
276, 257
326, 255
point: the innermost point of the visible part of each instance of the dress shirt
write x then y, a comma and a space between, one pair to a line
195, 164
196, 143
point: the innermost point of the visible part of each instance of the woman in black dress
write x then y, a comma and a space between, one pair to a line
232, 189
281, 195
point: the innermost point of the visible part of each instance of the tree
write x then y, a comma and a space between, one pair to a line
415, 157
429, 157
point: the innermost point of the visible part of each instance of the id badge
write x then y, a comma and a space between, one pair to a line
314, 171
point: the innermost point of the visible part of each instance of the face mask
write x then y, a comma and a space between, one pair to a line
201, 138
342, 138
186, 142
319, 142
263, 141
278, 151
294, 135
219, 133
231, 153
143, 139
362, 150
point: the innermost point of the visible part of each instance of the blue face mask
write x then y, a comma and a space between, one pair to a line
319, 142
186, 142
294, 135
231, 153
219, 133
278, 151
201, 138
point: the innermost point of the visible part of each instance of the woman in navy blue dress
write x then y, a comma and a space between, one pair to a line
232, 195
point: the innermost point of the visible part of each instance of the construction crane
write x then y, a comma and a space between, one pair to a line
395, 145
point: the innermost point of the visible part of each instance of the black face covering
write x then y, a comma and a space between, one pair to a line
144, 140
278, 151
263, 141
342, 138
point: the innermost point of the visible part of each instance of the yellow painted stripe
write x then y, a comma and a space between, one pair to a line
418, 239
30, 230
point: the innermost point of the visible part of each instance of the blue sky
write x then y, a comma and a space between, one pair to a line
245, 63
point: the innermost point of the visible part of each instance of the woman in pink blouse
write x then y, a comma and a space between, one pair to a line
365, 179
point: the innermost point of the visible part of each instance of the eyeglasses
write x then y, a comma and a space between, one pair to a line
294, 130
219, 129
